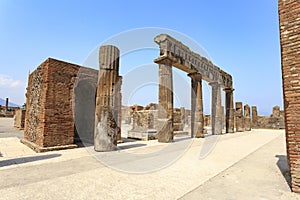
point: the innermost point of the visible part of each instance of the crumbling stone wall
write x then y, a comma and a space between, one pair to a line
274, 121
50, 103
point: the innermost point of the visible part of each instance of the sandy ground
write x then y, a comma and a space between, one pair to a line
249, 165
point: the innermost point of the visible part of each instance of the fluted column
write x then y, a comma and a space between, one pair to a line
216, 109
105, 135
229, 110
165, 102
196, 106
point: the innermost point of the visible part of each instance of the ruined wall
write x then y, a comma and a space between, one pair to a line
274, 121
50, 103
35, 104
289, 17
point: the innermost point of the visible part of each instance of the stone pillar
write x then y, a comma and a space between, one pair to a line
6, 105
229, 110
216, 109
119, 108
196, 106
247, 118
276, 112
165, 102
239, 117
254, 117
105, 135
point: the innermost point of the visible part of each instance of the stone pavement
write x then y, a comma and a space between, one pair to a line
249, 165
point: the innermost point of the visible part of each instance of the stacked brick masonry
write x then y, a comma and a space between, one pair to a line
50, 103
289, 18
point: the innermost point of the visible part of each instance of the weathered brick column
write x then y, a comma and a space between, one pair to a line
239, 117
105, 137
216, 108
254, 117
289, 17
196, 106
229, 110
247, 118
165, 102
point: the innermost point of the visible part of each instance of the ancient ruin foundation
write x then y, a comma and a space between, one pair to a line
289, 19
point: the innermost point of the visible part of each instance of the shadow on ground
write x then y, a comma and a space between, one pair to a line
282, 164
15, 161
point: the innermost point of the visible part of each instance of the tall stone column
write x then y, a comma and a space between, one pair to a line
247, 118
165, 102
105, 135
254, 117
6, 104
229, 110
216, 109
239, 117
196, 106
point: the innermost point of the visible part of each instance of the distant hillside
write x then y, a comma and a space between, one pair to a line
3, 101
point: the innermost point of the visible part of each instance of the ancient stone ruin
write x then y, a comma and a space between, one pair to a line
107, 100
19, 119
174, 53
69, 104
52, 106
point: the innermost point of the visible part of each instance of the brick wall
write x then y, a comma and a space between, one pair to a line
289, 19
50, 102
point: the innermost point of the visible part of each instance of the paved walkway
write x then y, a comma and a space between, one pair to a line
249, 165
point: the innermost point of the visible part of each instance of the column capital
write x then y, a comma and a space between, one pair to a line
195, 76
228, 90
164, 61
214, 84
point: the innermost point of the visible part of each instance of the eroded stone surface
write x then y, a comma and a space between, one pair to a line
106, 114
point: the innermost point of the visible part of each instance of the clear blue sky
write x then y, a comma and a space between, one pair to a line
242, 37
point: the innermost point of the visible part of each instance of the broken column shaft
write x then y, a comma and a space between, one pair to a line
239, 117
247, 118
105, 135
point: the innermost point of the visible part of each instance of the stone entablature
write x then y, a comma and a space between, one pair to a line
185, 59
